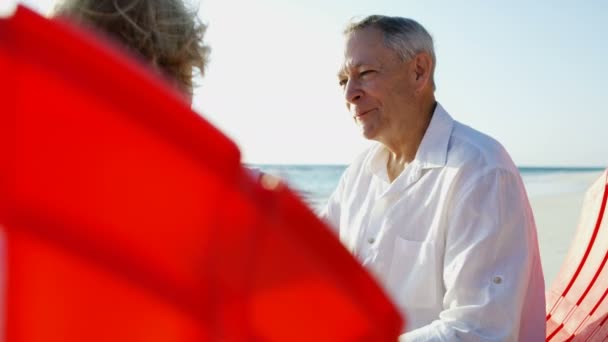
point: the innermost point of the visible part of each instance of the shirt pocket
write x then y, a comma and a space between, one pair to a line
412, 277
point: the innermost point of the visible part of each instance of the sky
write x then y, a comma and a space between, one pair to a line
530, 74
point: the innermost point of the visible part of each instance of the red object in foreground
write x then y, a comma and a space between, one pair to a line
577, 303
128, 217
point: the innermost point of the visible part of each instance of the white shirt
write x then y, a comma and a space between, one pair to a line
452, 239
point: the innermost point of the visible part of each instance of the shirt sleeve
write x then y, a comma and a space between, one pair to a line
490, 251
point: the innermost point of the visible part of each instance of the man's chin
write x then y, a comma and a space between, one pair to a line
369, 134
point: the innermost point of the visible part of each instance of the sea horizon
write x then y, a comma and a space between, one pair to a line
316, 182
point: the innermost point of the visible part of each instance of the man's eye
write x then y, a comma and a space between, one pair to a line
342, 82
366, 72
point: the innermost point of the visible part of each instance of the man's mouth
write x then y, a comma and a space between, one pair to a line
362, 113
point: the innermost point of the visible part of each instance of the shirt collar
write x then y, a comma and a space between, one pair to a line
433, 149
376, 162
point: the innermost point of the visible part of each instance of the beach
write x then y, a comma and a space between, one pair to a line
557, 216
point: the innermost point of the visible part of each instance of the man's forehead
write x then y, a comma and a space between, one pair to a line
362, 51
358, 55
363, 40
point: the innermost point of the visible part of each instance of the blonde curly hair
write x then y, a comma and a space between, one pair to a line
164, 32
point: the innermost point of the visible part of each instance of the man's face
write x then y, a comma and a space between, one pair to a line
377, 84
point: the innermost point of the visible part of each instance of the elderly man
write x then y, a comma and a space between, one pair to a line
436, 210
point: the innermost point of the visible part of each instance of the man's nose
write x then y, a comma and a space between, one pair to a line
352, 92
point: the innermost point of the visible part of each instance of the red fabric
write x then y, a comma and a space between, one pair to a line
127, 217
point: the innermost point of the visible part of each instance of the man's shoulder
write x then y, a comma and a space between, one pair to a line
469, 147
479, 160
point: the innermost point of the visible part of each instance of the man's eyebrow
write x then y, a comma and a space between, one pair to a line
342, 71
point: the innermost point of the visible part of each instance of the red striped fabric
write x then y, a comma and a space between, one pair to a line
577, 308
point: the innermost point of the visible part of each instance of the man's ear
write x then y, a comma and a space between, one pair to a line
423, 66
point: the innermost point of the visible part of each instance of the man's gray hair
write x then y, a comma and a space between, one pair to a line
404, 36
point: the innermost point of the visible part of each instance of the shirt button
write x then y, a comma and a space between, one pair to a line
371, 240
497, 280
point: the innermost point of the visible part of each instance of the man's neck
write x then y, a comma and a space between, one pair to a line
403, 149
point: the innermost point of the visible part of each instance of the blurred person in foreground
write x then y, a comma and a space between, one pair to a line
165, 34
436, 210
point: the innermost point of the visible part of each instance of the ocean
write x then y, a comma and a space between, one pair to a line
316, 182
